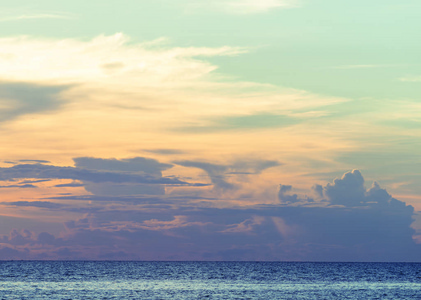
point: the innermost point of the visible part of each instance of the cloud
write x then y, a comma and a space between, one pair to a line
218, 173
348, 191
411, 79
248, 225
16, 237
34, 161
269, 233
75, 173
284, 197
215, 173
35, 16
179, 221
39, 204
73, 184
157, 78
136, 164
46, 238
105, 59
247, 122
129, 199
256, 6
23, 186
34, 181
101, 177
19, 98
344, 222
7, 253
165, 151
350, 67
122, 178
241, 6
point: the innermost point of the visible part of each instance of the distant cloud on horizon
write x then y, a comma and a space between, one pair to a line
341, 221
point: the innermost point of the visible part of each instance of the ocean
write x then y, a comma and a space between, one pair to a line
208, 280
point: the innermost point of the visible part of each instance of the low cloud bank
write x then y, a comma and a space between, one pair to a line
341, 221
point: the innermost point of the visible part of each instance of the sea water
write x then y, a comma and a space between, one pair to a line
208, 280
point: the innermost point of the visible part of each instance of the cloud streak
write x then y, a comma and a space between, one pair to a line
91, 170
35, 16
247, 122
103, 58
256, 6
242, 7
39, 204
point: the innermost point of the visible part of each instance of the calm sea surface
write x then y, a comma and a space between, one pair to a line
208, 280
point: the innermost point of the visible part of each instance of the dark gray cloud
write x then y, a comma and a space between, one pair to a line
21, 98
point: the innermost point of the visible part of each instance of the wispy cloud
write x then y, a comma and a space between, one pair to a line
22, 17
242, 6
411, 79
26, 59
256, 6
246, 122
366, 66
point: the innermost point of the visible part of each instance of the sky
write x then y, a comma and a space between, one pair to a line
270, 130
